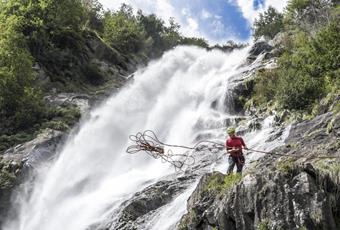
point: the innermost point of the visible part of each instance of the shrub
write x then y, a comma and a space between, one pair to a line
20, 103
121, 30
265, 86
268, 24
309, 69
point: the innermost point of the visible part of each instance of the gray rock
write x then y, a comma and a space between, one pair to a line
36, 151
82, 101
135, 211
17, 164
258, 48
278, 192
275, 200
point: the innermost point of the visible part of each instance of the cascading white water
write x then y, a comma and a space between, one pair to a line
93, 175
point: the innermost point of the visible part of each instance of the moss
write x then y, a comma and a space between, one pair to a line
287, 165
330, 126
7, 178
188, 218
330, 167
264, 225
56, 125
221, 183
302, 228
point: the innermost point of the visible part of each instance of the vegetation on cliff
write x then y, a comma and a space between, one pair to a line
308, 69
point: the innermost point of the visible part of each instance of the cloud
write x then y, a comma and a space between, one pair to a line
277, 4
205, 14
251, 13
165, 9
216, 21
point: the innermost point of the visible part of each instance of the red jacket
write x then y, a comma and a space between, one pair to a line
235, 142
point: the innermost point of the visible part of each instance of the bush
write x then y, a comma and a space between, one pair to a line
310, 69
20, 103
265, 86
269, 24
122, 31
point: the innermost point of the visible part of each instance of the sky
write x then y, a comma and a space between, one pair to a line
217, 21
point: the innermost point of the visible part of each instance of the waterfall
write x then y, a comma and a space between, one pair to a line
180, 96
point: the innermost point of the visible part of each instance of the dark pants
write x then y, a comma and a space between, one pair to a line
238, 160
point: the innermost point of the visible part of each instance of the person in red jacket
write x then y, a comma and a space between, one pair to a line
234, 146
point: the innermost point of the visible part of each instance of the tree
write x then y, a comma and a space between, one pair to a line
269, 24
20, 103
93, 11
122, 30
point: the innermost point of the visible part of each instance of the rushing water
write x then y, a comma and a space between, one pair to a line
93, 175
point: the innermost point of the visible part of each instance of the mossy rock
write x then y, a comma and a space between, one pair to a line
219, 182
287, 165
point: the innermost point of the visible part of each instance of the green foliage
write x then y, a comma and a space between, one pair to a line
268, 24
143, 33
196, 42
264, 225
122, 30
297, 6
287, 165
307, 15
330, 167
93, 15
20, 103
265, 86
7, 176
221, 183
309, 69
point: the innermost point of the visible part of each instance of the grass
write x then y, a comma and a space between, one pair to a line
7, 178
263, 225
286, 165
330, 167
221, 182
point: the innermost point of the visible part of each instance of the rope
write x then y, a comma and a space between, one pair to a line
271, 153
298, 155
149, 143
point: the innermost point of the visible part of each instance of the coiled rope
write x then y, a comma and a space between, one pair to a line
149, 143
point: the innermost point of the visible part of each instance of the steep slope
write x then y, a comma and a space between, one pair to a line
300, 190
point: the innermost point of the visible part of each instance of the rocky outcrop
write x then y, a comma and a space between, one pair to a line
298, 190
258, 48
301, 198
19, 162
136, 211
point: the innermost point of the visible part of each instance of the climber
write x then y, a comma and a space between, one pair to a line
234, 145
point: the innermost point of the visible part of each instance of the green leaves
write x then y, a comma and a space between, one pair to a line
268, 24
20, 103
121, 30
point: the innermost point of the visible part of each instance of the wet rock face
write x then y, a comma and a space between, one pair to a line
17, 163
271, 200
136, 211
257, 49
296, 191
